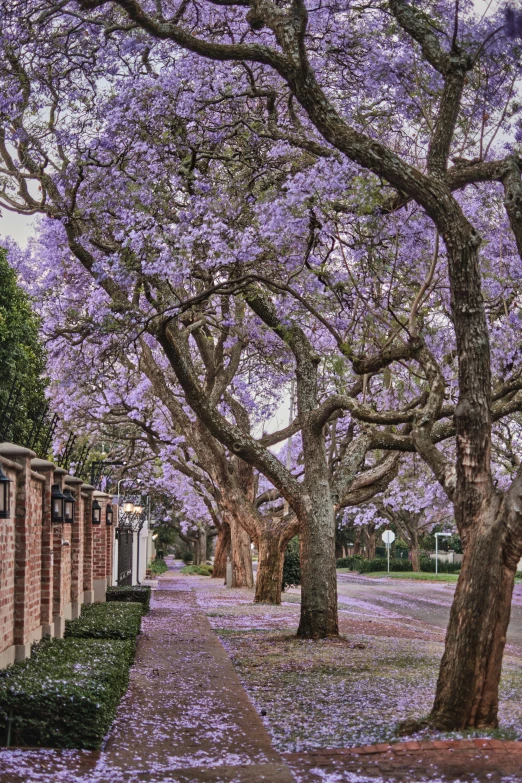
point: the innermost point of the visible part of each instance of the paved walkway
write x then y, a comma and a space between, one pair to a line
185, 717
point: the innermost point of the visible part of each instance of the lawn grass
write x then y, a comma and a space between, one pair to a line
424, 577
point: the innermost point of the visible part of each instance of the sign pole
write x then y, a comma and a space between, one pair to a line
436, 554
388, 548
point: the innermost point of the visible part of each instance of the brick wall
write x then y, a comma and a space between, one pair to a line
47, 570
7, 571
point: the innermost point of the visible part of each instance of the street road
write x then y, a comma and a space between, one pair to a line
426, 601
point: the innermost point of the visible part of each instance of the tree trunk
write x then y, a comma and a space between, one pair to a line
202, 545
242, 574
270, 568
220, 555
467, 688
415, 556
357, 544
195, 552
369, 533
318, 575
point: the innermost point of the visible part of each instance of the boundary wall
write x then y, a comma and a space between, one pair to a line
47, 569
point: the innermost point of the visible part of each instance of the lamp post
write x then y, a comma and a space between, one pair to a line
444, 535
96, 513
57, 504
68, 506
121, 481
5, 495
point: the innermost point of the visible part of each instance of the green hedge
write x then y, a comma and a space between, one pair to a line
66, 694
197, 570
106, 621
427, 565
131, 594
158, 566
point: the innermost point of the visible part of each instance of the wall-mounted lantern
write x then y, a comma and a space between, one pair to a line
68, 506
96, 513
5, 495
57, 504
109, 514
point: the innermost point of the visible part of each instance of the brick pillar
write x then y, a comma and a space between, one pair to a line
99, 533
77, 544
28, 550
7, 571
88, 587
62, 605
46, 469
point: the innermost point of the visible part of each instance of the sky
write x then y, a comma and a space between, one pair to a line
19, 227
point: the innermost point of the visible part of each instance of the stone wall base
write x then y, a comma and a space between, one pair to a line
23, 651
88, 597
59, 626
100, 590
7, 657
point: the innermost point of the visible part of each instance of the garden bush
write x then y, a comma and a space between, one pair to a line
158, 566
187, 557
130, 594
66, 694
197, 570
381, 564
292, 565
106, 621
427, 565
351, 562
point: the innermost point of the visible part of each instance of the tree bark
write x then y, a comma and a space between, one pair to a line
221, 553
318, 575
369, 534
202, 545
270, 567
242, 574
415, 555
357, 544
467, 688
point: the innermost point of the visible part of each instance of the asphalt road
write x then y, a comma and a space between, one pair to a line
426, 601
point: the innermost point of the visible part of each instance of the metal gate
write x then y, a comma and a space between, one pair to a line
125, 539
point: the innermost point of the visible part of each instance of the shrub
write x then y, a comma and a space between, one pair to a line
381, 564
187, 557
351, 562
130, 594
158, 566
106, 621
66, 694
292, 565
198, 570
427, 564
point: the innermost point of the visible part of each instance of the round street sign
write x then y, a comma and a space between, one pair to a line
388, 536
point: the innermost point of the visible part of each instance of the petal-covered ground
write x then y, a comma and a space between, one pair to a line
348, 692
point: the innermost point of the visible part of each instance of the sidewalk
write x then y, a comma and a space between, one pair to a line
185, 716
